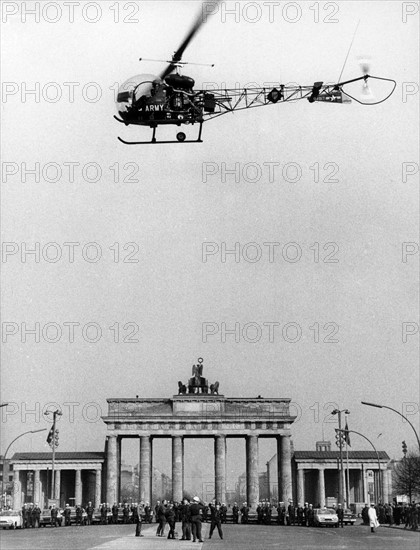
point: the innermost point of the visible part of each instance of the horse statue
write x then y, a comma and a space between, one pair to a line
214, 388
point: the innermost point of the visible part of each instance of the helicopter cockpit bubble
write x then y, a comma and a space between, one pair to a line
141, 85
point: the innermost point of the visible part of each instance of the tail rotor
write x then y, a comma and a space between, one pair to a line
367, 96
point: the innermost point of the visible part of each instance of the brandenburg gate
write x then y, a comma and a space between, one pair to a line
198, 411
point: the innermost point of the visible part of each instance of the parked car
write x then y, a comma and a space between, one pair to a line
325, 516
349, 517
45, 518
11, 519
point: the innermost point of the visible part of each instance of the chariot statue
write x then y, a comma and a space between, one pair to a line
198, 383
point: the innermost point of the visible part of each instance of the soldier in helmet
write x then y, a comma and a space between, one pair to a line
89, 512
244, 513
67, 515
235, 512
54, 516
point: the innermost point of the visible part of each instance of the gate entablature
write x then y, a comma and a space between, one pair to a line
199, 412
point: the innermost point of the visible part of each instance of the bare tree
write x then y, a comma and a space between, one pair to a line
406, 476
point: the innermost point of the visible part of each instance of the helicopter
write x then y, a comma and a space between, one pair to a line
170, 98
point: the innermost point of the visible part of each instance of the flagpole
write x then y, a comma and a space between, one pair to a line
348, 473
347, 438
52, 440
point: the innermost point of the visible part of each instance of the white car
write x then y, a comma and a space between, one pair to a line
11, 519
325, 516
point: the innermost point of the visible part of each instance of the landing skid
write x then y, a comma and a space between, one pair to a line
180, 138
158, 142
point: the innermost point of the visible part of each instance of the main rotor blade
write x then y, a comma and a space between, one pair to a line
200, 20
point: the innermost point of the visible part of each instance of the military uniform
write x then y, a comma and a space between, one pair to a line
147, 513
365, 515
186, 520
25, 523
259, 513
79, 515
223, 513
138, 517
300, 515
67, 515
89, 511
196, 510
292, 514
281, 513
216, 520
161, 518
340, 515
170, 518
54, 516
310, 516
244, 513
115, 510
126, 514
235, 513
36, 515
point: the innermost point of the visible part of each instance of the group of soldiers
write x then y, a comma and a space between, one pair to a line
395, 514
192, 514
31, 515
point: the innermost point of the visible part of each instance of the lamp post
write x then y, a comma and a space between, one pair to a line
340, 447
5, 465
53, 443
398, 412
377, 456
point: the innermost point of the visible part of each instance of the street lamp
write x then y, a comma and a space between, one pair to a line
340, 446
398, 412
53, 441
377, 456
5, 465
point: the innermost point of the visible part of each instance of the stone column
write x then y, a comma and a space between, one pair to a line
177, 460
183, 469
385, 495
57, 485
284, 465
78, 487
145, 473
252, 478
98, 488
301, 486
321, 487
268, 482
119, 443
220, 467
17, 488
37, 487
111, 470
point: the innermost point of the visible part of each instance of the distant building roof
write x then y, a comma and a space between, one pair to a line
86, 455
353, 455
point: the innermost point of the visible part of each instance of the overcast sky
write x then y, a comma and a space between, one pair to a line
339, 181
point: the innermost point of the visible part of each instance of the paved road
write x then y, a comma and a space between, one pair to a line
237, 537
